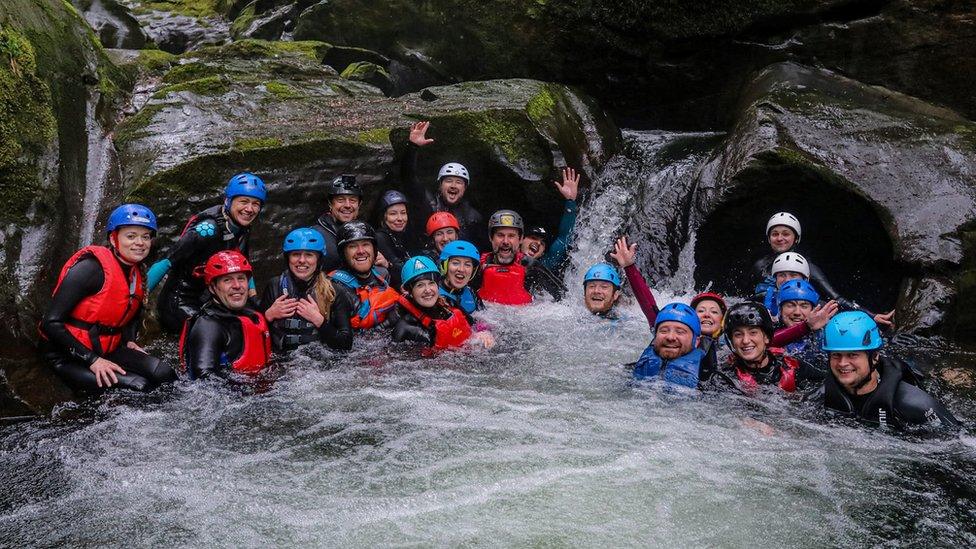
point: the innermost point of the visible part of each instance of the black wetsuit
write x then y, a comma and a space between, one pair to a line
288, 333
215, 339
761, 271
771, 374
894, 403
71, 359
426, 201
396, 248
183, 294
329, 229
410, 328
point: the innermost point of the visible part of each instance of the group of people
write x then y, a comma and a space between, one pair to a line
422, 270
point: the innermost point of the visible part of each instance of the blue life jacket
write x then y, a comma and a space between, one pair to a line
467, 301
680, 371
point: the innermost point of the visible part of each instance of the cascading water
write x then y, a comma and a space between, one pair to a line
98, 168
539, 441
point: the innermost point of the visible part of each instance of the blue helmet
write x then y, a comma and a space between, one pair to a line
131, 214
797, 290
459, 248
245, 184
679, 312
304, 239
604, 272
851, 331
416, 267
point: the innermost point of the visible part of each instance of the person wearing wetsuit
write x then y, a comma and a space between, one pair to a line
301, 304
89, 329
344, 196
875, 389
221, 227
459, 262
798, 301
226, 335
672, 355
507, 276
428, 318
783, 233
442, 228
711, 308
452, 184
363, 283
753, 363
625, 255
395, 239
535, 243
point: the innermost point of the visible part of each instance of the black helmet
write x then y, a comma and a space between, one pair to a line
355, 230
505, 218
344, 184
747, 314
539, 232
392, 198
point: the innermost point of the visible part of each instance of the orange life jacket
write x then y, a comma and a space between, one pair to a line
504, 284
98, 319
256, 349
451, 332
373, 302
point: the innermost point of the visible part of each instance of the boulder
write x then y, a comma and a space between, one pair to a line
179, 26
113, 23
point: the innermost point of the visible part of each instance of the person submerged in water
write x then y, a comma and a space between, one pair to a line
226, 335
875, 389
362, 281
89, 329
535, 243
459, 263
301, 304
507, 276
221, 227
672, 355
426, 317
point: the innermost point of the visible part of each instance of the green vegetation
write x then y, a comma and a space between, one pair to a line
281, 90
211, 85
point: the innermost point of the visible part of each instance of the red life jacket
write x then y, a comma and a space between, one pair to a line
97, 320
373, 303
787, 378
504, 284
256, 351
452, 332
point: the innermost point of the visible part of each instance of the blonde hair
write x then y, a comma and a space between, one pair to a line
324, 294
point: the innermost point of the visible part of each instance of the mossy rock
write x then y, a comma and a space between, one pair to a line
364, 71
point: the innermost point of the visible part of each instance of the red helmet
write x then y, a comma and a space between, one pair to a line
705, 296
224, 263
441, 220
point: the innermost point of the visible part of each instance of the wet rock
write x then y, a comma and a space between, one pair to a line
112, 22
270, 25
272, 108
369, 73
883, 183
177, 28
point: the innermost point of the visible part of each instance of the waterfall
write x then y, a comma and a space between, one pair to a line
97, 171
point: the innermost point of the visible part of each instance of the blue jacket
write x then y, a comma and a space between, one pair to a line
680, 371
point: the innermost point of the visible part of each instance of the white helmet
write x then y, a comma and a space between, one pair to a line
455, 169
787, 220
790, 261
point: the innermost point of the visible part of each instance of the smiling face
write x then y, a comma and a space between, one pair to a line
303, 264
533, 247
452, 189
710, 315
851, 369
442, 237
599, 296
344, 207
132, 242
360, 256
505, 242
231, 290
783, 277
460, 271
749, 343
781, 238
794, 312
244, 210
395, 218
425, 293
672, 340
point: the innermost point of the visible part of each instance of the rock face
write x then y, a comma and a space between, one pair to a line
273, 108
180, 25
113, 23
883, 183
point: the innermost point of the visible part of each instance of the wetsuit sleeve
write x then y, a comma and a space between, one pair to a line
268, 296
186, 247
785, 336
556, 253
337, 332
131, 330
709, 363
408, 328
83, 279
819, 279
917, 407
808, 373
205, 343
540, 277
419, 206
156, 273
643, 293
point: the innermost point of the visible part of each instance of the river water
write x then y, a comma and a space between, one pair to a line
541, 441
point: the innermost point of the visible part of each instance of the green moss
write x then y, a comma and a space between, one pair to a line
364, 71
209, 86
376, 136
542, 105
191, 71
244, 20
192, 8
135, 126
281, 90
256, 143
156, 60
256, 49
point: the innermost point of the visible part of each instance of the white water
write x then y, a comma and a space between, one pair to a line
97, 170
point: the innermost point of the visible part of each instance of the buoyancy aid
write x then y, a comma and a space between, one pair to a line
451, 332
255, 348
504, 284
373, 302
97, 320
289, 333
679, 371
787, 365
466, 300
879, 409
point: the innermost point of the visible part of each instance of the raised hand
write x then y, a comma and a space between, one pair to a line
886, 319
569, 187
625, 255
821, 314
418, 134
